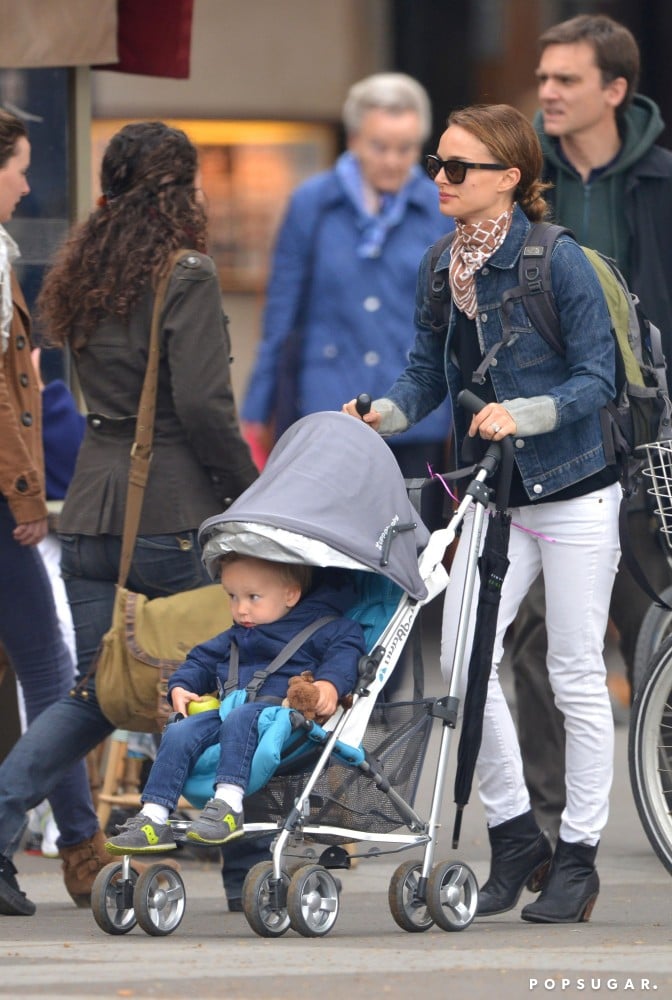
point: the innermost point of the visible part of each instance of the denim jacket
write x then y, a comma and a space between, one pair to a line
555, 400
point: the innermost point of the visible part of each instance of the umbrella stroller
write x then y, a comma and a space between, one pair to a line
331, 495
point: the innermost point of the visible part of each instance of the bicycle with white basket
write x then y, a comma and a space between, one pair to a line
650, 737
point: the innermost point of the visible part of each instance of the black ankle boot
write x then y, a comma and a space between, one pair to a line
521, 856
13, 902
572, 888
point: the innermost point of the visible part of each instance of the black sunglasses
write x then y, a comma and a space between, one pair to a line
456, 170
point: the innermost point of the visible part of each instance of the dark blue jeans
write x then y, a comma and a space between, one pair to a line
30, 632
183, 743
70, 727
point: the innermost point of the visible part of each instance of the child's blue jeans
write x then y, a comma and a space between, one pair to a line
183, 743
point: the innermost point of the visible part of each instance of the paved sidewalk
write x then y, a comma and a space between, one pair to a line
626, 948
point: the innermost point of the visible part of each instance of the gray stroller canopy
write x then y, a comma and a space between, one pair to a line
331, 493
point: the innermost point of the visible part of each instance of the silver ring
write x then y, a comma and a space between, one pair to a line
496, 428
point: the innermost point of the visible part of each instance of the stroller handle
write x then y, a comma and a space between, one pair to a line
499, 453
363, 403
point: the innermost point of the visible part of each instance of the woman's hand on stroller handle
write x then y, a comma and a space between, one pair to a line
490, 420
363, 404
500, 451
361, 409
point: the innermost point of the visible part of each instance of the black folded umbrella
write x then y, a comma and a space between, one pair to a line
492, 565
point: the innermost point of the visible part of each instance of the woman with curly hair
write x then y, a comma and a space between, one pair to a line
97, 300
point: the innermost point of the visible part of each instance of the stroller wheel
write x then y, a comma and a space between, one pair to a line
112, 899
312, 901
265, 902
407, 905
159, 900
452, 895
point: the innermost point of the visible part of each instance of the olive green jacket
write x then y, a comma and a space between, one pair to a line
200, 461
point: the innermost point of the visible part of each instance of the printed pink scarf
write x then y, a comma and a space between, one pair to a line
473, 244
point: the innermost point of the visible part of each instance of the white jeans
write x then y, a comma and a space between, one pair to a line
579, 565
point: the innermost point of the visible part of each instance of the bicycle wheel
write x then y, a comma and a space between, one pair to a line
655, 628
650, 753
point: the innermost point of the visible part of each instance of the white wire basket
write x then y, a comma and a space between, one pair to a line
657, 471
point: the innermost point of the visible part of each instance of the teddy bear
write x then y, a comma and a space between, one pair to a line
302, 695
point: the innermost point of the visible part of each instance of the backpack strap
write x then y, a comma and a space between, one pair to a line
535, 284
629, 557
654, 343
259, 677
438, 289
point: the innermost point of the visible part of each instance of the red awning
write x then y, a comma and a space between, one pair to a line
154, 37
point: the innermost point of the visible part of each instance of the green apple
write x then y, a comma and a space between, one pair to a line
204, 704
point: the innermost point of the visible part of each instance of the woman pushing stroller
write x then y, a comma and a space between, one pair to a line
564, 495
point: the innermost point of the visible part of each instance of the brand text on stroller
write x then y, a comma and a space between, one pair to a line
385, 532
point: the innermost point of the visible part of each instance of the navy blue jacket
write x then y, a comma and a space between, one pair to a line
331, 653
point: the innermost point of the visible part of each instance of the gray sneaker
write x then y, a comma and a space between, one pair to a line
141, 835
217, 824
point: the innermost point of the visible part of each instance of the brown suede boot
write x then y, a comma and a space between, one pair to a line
81, 864
83, 861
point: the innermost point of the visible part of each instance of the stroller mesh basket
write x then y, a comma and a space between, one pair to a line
396, 737
658, 475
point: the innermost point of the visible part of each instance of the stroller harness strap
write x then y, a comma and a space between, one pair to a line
260, 676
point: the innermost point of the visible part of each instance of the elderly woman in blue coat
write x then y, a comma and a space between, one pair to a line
344, 270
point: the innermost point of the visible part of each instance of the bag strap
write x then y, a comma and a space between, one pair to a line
631, 560
259, 677
535, 284
141, 451
438, 290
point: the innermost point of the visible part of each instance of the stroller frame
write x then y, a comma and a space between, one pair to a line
420, 894
279, 894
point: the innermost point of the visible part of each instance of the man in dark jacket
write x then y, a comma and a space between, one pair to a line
612, 186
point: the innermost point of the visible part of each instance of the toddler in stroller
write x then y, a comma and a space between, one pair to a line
331, 497
279, 630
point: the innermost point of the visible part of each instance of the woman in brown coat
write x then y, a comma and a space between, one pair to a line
97, 300
29, 627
